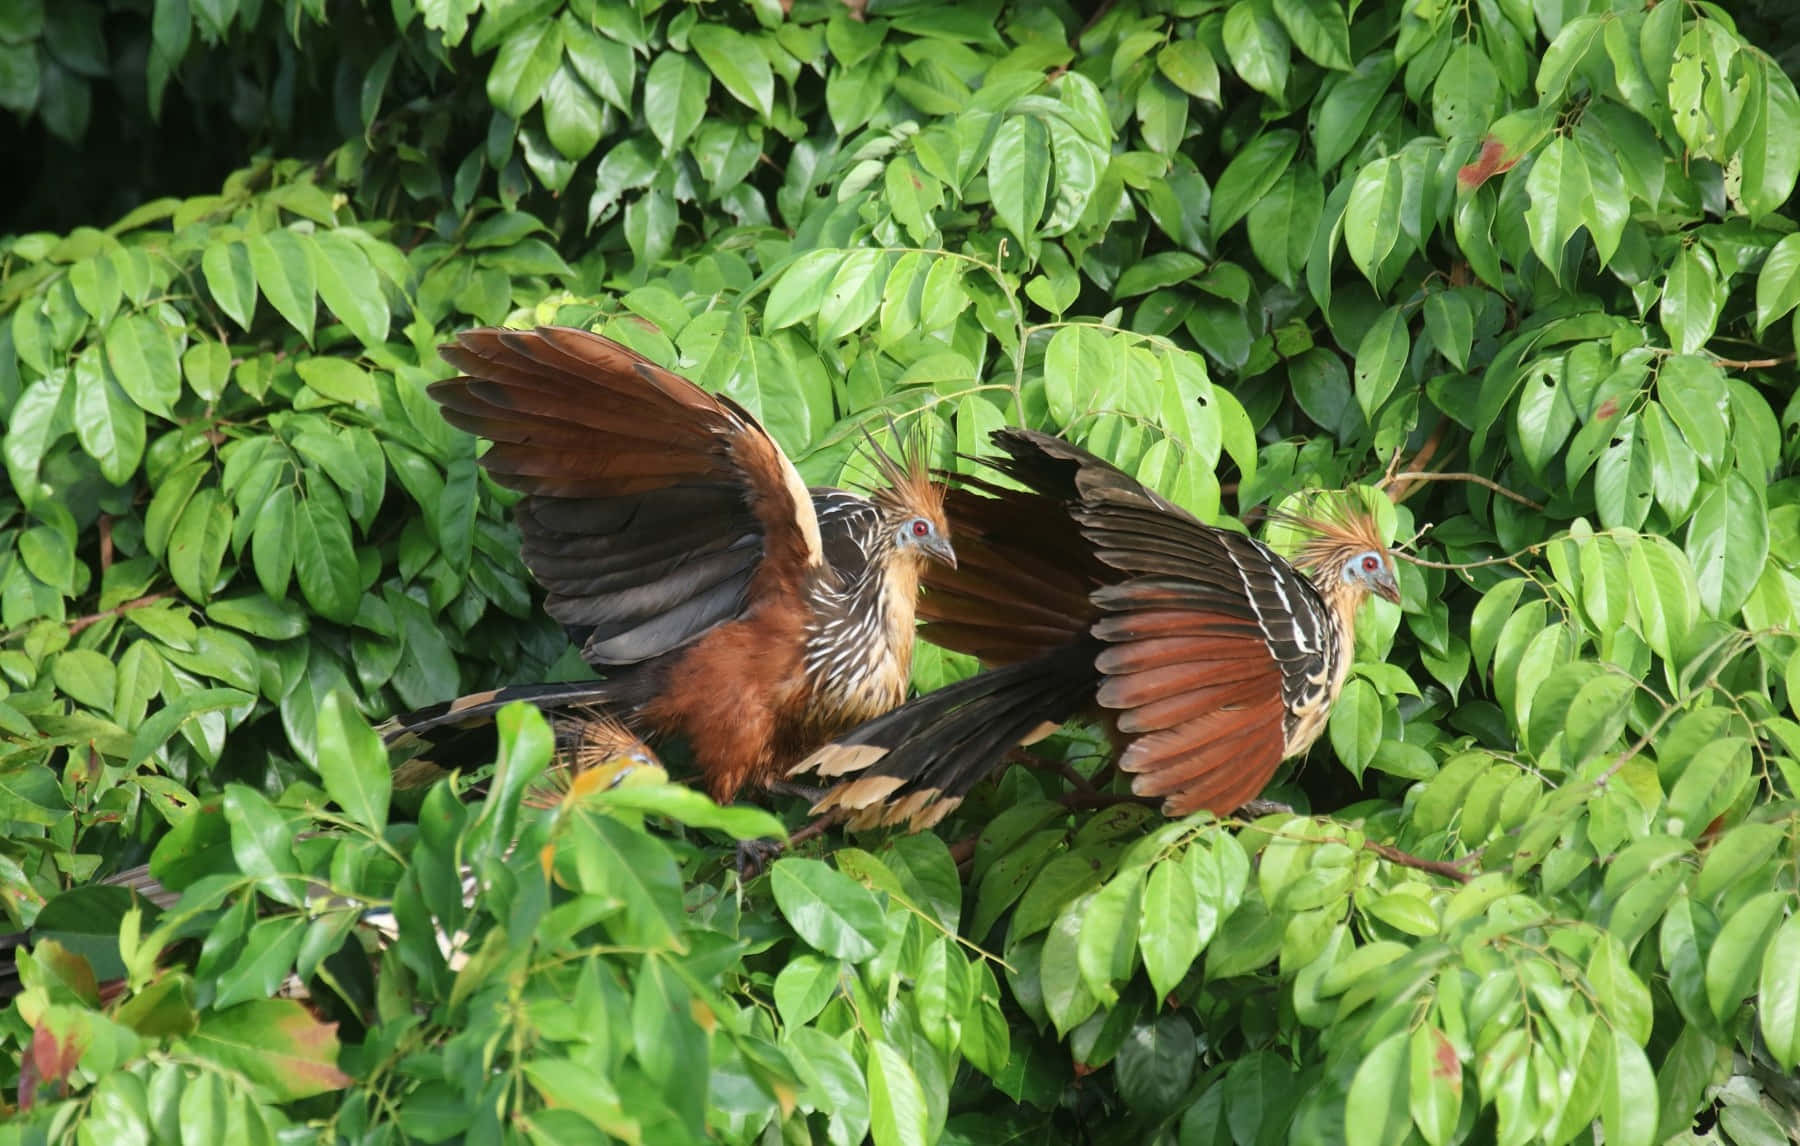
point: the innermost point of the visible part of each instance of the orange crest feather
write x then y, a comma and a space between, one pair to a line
1334, 531
908, 489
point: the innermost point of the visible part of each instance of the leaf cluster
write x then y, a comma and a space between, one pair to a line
1529, 269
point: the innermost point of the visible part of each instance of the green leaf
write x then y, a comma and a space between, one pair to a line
1691, 301
324, 559
273, 544
338, 379
803, 987
800, 290
143, 358
1250, 175
828, 909
738, 63
1319, 28
675, 91
352, 762
109, 425
231, 278
1355, 725
524, 64
853, 294
284, 271
1692, 392
1434, 1084
1728, 541
1380, 359
1105, 951
1560, 190
262, 843
1190, 66
1019, 175
1169, 934
1377, 1111
1736, 959
1778, 994
350, 287
276, 1043
898, 1115
198, 542
1628, 1100
1258, 48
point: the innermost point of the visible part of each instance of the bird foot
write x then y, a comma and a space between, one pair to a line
753, 856
1255, 809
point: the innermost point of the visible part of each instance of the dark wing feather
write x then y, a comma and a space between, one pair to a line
919, 760
1191, 666
654, 511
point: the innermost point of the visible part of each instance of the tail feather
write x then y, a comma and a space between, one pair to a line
460, 732
918, 761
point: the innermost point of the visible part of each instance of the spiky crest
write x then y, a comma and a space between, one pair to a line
907, 489
1334, 532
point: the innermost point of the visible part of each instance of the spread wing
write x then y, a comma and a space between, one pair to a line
655, 510
1198, 626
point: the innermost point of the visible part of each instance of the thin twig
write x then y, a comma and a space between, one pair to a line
80, 623
1477, 479
1394, 855
1752, 363
1509, 559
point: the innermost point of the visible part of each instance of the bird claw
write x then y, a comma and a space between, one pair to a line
755, 855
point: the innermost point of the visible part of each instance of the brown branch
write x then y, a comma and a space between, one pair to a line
80, 623
1398, 490
1477, 479
1752, 363
1482, 564
1394, 855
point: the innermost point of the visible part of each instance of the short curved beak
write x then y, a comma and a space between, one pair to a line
939, 549
1386, 587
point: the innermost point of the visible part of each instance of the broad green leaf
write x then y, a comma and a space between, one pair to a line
1372, 215
1258, 47
324, 558
278, 1044
144, 361
1169, 931
737, 63
350, 287
1692, 299
1106, 950
1355, 724
1735, 962
675, 91
853, 293
898, 1115
572, 114
1728, 541
800, 290
1377, 1111
284, 271
1319, 28
1434, 1084
338, 379
353, 763
231, 278
1628, 1100
109, 425
1778, 994
1249, 176
1190, 66
828, 909
1692, 392
262, 842
1380, 360
1019, 175
526, 61
1560, 189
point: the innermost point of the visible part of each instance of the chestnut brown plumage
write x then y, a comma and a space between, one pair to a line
720, 597
1207, 656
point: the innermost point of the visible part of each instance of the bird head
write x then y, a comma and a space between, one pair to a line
1344, 550
911, 504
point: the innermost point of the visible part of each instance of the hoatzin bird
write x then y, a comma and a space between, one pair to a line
1207, 657
722, 599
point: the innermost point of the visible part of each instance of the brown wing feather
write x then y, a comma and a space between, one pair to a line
655, 511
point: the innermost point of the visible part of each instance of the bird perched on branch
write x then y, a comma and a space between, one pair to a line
723, 600
1208, 658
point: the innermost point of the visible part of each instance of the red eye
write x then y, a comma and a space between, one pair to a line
1370, 563
920, 529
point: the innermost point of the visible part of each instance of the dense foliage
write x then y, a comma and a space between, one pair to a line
1529, 268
